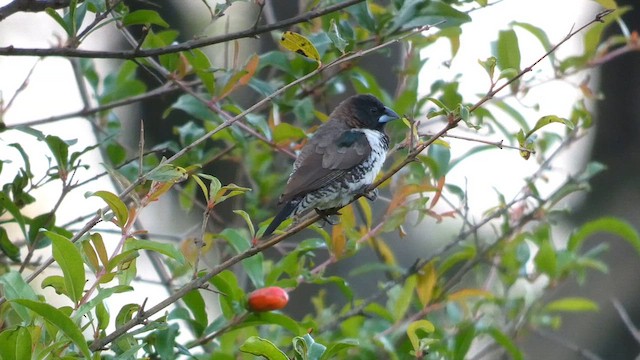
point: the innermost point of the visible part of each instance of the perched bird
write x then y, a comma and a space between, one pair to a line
340, 160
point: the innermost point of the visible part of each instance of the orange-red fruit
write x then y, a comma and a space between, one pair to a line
267, 299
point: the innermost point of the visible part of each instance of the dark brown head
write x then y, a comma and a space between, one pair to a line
364, 112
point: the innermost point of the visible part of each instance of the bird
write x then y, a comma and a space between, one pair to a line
339, 162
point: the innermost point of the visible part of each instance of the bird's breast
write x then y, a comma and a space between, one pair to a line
379, 143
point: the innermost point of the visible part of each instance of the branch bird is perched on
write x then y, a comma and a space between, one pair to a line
340, 161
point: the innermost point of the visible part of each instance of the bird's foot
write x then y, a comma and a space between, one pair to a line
371, 195
326, 213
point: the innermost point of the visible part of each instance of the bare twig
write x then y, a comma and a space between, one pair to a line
20, 89
567, 344
499, 144
159, 91
624, 315
31, 6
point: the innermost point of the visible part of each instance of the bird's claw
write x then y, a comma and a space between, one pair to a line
326, 213
371, 195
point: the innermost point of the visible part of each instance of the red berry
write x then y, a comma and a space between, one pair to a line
267, 299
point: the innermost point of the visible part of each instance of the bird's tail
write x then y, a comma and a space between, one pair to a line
282, 216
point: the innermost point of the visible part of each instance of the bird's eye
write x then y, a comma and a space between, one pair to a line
373, 110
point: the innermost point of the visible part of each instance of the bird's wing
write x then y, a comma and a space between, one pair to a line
324, 159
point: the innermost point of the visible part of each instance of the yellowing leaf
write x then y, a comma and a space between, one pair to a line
412, 330
467, 293
384, 252
399, 197
250, 68
366, 209
299, 45
338, 240
426, 283
607, 4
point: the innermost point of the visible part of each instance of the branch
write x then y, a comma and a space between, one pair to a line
624, 315
31, 6
567, 344
162, 90
187, 45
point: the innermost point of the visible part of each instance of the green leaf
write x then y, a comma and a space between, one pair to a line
90, 255
540, 35
61, 321
60, 150
463, 340
338, 346
195, 303
57, 283
16, 344
101, 250
608, 225
507, 51
545, 259
572, 304
232, 294
7, 247
25, 159
515, 114
202, 66
7, 204
14, 287
191, 106
68, 257
412, 332
54, 14
274, 318
363, 16
307, 348
401, 298
103, 294
342, 284
168, 173
262, 347
592, 169
116, 205
489, 66
252, 265
287, 132
506, 343
102, 314
549, 119
44, 221
166, 249
441, 156
334, 34
122, 258
247, 220
144, 17
165, 341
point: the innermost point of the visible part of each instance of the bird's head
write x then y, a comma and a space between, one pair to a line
365, 111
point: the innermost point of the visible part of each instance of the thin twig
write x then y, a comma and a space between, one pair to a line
567, 344
162, 90
624, 315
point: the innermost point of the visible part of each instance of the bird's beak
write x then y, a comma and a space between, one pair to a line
388, 116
